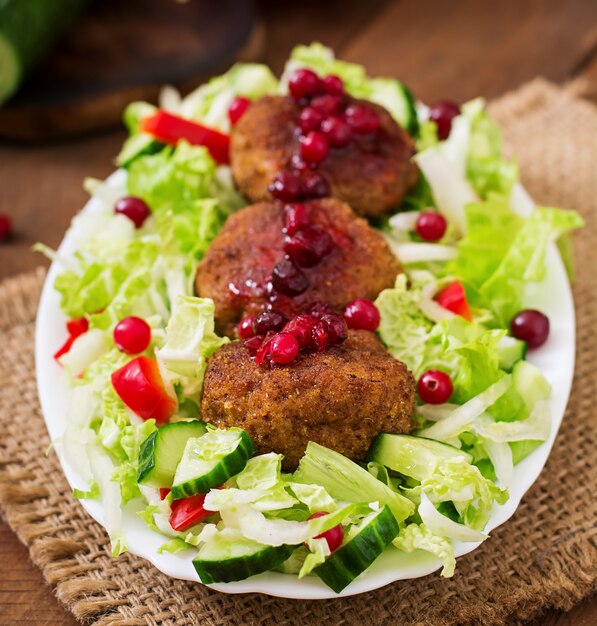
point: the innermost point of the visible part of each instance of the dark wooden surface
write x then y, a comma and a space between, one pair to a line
122, 51
458, 50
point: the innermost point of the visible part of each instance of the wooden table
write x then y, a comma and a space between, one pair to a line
441, 49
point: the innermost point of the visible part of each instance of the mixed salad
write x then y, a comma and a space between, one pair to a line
138, 342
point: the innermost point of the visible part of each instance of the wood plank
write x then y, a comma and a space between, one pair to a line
462, 49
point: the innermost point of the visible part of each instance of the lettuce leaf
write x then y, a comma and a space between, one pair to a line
419, 537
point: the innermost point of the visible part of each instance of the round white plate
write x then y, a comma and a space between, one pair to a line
555, 359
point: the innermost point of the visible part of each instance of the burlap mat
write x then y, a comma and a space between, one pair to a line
545, 556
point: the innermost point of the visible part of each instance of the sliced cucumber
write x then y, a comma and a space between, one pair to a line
530, 383
229, 556
412, 456
368, 541
397, 99
136, 146
161, 452
510, 351
210, 460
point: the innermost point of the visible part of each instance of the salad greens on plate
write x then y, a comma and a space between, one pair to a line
203, 488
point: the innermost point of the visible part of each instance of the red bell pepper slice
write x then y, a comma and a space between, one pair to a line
139, 385
75, 328
188, 511
170, 129
453, 298
164, 491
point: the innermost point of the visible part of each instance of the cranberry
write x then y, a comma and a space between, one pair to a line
313, 185
245, 327
253, 344
288, 279
303, 83
284, 348
310, 119
268, 321
327, 104
337, 131
238, 107
442, 113
308, 246
435, 387
333, 85
299, 165
132, 335
530, 326
362, 314
314, 147
431, 226
321, 339
336, 327
296, 216
319, 309
286, 186
134, 208
301, 327
362, 118
263, 350
5, 227
334, 536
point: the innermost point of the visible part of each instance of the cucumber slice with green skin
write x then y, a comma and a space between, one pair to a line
510, 351
161, 452
28, 29
530, 383
371, 538
229, 556
136, 146
398, 100
412, 456
210, 460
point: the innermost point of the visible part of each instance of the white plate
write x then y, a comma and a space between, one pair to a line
555, 359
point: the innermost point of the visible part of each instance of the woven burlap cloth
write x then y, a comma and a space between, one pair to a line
545, 556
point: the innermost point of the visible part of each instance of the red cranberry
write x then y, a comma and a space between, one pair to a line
286, 186
301, 327
435, 387
310, 119
314, 147
530, 326
327, 104
296, 216
334, 536
362, 118
5, 227
333, 85
245, 327
431, 226
362, 314
132, 335
319, 309
313, 185
263, 351
238, 107
288, 279
442, 113
320, 337
268, 321
303, 83
308, 246
337, 131
284, 348
299, 165
134, 208
253, 344
336, 328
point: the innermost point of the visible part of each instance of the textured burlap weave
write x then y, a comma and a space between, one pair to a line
545, 556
